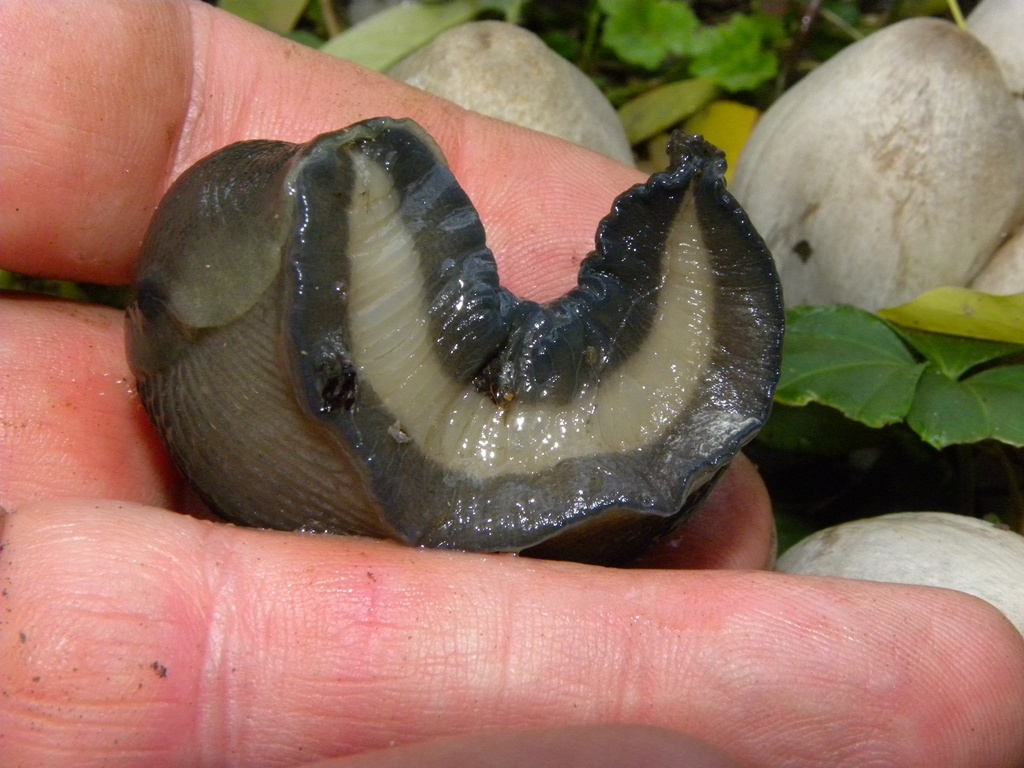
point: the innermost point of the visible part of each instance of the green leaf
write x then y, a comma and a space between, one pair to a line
387, 37
988, 405
848, 359
963, 312
1001, 389
646, 32
276, 15
737, 54
953, 355
660, 108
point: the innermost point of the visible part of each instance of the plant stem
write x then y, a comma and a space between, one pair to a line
330, 18
839, 23
958, 16
514, 12
796, 48
590, 38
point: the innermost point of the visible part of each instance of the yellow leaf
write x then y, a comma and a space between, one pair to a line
963, 312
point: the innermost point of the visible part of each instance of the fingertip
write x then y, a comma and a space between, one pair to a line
936, 674
973, 702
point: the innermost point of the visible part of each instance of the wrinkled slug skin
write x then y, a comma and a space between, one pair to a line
321, 339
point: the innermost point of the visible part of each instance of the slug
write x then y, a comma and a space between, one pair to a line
320, 337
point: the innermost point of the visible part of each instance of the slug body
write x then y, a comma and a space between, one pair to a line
321, 339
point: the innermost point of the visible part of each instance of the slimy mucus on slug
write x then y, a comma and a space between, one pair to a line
321, 339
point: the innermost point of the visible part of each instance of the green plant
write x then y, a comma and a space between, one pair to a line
862, 397
737, 54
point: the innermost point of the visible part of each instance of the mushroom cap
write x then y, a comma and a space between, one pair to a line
935, 549
998, 24
507, 72
891, 169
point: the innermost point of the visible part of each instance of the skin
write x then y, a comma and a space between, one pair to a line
134, 635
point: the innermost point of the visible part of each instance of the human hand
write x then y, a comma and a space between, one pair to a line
133, 635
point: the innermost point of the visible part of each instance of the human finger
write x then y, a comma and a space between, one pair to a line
594, 746
169, 82
75, 427
133, 636
72, 424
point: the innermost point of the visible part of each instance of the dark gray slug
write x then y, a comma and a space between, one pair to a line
320, 338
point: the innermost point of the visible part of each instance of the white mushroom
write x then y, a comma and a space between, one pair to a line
894, 168
507, 72
936, 549
999, 24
